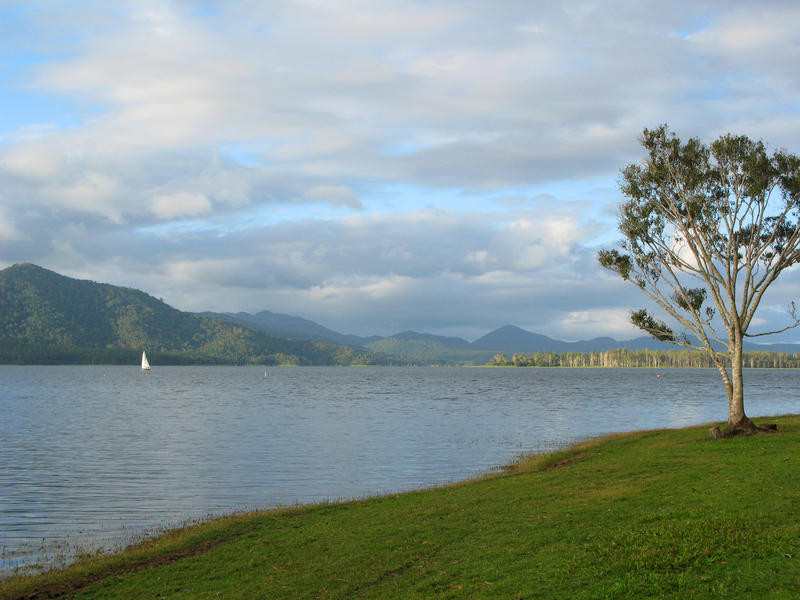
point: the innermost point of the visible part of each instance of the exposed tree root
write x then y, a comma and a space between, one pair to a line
744, 427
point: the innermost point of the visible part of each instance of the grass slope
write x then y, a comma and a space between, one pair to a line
644, 515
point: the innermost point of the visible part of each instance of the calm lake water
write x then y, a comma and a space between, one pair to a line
92, 457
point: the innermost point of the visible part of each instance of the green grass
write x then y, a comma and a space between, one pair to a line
661, 514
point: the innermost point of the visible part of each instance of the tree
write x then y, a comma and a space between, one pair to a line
499, 359
724, 216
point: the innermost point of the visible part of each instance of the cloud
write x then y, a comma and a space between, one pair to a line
335, 195
32, 160
92, 192
751, 33
8, 229
430, 165
612, 322
416, 270
181, 204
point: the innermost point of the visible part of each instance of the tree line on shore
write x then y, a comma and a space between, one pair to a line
622, 357
311, 353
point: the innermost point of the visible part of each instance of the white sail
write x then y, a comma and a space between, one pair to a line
145, 364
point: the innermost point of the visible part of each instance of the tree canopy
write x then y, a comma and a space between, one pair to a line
706, 229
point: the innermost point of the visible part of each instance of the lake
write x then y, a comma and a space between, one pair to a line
94, 457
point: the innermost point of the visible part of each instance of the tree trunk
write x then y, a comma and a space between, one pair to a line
736, 397
738, 422
726, 378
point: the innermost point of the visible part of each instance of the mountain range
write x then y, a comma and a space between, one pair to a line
508, 339
46, 317
49, 318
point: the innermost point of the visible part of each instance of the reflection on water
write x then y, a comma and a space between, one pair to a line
94, 455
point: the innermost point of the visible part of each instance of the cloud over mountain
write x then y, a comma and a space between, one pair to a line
433, 165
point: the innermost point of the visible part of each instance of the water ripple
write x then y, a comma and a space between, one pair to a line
92, 457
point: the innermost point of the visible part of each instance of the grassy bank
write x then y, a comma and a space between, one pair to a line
650, 514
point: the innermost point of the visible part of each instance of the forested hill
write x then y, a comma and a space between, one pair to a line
49, 318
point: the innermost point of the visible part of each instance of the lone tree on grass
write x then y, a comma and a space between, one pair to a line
717, 223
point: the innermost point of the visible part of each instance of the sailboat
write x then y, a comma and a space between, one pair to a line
145, 363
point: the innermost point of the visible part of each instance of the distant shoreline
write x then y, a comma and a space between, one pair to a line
396, 365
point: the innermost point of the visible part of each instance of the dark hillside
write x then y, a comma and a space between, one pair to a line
44, 315
41, 306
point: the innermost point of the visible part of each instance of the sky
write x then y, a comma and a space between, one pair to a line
376, 166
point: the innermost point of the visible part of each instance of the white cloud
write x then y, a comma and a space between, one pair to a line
535, 241
748, 31
195, 271
585, 324
38, 161
388, 287
180, 204
398, 162
91, 192
338, 195
8, 229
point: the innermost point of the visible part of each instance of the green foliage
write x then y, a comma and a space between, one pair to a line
691, 299
46, 318
658, 514
658, 329
724, 214
614, 261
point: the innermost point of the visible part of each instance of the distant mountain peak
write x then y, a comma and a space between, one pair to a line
509, 327
26, 267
